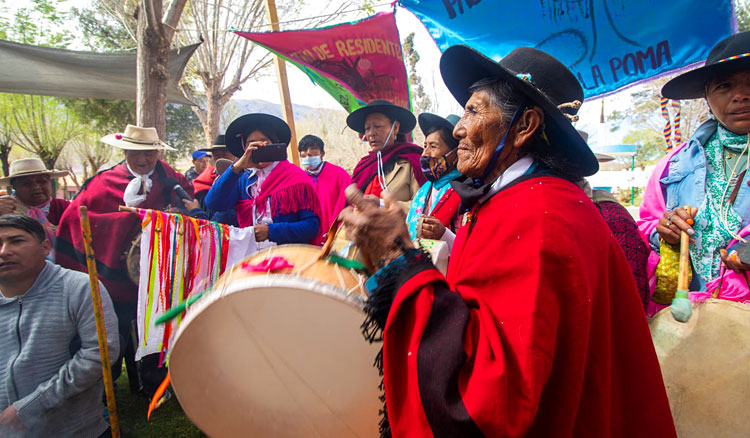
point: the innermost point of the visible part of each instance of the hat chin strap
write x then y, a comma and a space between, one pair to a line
478, 182
381, 171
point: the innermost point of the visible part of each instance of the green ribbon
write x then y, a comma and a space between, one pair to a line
179, 309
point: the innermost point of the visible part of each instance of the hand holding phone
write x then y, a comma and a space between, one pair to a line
270, 152
246, 160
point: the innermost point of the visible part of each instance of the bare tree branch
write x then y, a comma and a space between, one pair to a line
173, 18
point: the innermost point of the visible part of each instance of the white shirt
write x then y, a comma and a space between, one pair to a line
132, 196
512, 173
262, 216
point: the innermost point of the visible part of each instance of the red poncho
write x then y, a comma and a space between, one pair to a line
112, 231
367, 168
329, 185
537, 331
205, 180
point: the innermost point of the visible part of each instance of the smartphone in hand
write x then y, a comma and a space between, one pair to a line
270, 152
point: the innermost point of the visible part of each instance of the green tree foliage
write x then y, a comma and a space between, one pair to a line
420, 100
42, 125
742, 13
184, 132
38, 22
37, 124
107, 30
650, 145
644, 122
106, 115
6, 137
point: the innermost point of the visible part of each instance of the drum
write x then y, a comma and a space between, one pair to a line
279, 354
706, 368
133, 259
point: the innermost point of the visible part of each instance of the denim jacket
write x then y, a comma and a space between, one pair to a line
684, 180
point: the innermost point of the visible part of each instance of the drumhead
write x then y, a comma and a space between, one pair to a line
706, 368
277, 355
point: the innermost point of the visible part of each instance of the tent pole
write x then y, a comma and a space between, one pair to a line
286, 101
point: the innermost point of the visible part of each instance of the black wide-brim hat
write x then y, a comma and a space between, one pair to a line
219, 143
730, 55
241, 127
544, 80
431, 122
406, 120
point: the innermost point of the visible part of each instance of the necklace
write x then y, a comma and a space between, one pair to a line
731, 181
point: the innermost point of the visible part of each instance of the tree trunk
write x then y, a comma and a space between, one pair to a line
152, 73
214, 107
5, 158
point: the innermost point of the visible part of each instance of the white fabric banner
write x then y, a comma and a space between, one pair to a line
241, 245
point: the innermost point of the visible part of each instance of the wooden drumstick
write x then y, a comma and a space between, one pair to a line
329, 245
681, 308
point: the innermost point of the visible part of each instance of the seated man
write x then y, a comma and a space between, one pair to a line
329, 180
50, 367
200, 162
32, 187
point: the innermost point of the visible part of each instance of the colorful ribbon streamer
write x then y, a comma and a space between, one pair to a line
671, 132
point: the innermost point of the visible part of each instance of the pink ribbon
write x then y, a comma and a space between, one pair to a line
268, 265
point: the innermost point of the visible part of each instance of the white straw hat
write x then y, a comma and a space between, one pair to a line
138, 139
28, 167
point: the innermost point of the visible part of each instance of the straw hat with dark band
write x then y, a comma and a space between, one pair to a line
730, 55
406, 120
135, 138
544, 80
29, 167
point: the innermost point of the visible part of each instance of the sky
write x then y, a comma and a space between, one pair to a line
304, 92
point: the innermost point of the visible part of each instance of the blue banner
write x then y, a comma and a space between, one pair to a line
608, 44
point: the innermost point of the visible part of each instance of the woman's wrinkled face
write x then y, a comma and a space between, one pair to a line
33, 190
729, 98
435, 146
478, 132
142, 162
377, 127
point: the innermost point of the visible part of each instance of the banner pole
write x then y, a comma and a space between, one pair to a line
101, 333
286, 101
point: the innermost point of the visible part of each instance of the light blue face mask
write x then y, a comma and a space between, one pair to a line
311, 162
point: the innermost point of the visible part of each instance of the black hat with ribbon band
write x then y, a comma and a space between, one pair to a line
730, 55
241, 127
406, 120
218, 143
545, 82
430, 122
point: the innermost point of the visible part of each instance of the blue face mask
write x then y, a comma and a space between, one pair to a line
311, 162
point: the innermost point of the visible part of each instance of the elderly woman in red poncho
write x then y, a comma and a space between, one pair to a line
393, 163
537, 328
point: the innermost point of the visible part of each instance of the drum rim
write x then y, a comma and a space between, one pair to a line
708, 300
330, 291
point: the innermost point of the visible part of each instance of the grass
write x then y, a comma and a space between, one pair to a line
167, 421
